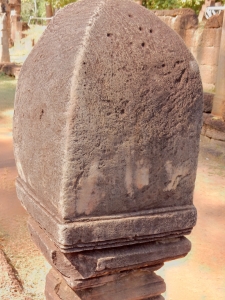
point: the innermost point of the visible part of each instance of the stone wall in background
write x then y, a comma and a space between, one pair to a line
202, 39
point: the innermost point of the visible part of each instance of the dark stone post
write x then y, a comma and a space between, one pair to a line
106, 145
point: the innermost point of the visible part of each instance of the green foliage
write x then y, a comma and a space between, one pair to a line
41, 8
28, 6
172, 4
60, 3
28, 9
7, 92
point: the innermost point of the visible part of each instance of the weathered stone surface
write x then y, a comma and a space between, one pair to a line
89, 264
178, 19
207, 37
174, 12
132, 285
177, 221
213, 127
188, 37
106, 146
208, 56
106, 133
214, 122
213, 133
208, 102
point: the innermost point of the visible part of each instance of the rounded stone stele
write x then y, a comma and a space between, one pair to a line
106, 127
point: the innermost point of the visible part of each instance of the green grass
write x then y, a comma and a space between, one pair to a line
7, 92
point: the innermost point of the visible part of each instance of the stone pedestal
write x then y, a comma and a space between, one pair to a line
106, 146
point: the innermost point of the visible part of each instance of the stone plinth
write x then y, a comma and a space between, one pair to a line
106, 145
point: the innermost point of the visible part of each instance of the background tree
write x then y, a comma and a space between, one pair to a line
32, 8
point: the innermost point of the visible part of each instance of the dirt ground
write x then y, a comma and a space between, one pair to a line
22, 267
28, 266
199, 276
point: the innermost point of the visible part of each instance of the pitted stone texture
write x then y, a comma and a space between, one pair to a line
107, 125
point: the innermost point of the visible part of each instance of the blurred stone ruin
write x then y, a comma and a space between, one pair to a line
10, 31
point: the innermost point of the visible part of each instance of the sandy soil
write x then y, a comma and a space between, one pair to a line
201, 274
22, 267
15, 241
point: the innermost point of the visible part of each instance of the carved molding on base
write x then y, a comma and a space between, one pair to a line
122, 273
153, 225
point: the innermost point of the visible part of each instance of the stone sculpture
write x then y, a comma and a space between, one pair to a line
106, 135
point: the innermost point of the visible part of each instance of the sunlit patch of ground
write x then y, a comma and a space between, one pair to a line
6, 122
31, 267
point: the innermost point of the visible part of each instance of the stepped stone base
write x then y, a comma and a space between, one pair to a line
121, 273
140, 284
213, 127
